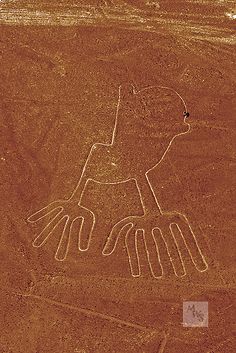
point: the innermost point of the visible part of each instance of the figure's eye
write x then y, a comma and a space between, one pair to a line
186, 114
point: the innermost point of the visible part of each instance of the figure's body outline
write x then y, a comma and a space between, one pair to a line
94, 147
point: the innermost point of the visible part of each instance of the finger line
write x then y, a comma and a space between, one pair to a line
153, 257
192, 252
177, 247
46, 232
158, 256
85, 232
64, 242
132, 251
171, 252
32, 218
136, 248
113, 237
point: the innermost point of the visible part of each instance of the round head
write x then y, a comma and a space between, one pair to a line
163, 109
157, 110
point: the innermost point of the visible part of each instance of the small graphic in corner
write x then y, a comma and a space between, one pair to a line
195, 314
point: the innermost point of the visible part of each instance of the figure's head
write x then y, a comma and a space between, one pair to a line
157, 109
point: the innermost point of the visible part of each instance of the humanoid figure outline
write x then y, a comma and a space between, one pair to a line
138, 111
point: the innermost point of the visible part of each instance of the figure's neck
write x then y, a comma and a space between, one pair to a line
164, 144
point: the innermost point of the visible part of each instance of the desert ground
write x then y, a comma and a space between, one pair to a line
70, 76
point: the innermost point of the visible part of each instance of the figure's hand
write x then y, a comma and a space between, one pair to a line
170, 229
66, 212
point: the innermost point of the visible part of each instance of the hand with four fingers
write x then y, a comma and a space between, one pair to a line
171, 230
64, 212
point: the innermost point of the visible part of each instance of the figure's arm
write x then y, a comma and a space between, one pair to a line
95, 166
85, 175
98, 159
147, 196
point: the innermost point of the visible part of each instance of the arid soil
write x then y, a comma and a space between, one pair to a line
70, 73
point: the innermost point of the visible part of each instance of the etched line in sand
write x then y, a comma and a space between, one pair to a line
89, 312
201, 25
163, 343
146, 124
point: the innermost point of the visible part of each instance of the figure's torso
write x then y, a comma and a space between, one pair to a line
117, 163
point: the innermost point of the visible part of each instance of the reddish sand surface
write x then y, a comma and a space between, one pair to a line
74, 74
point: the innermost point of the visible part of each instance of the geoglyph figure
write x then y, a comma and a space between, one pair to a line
152, 117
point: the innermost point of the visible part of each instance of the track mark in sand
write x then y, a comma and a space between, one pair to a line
90, 313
